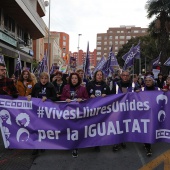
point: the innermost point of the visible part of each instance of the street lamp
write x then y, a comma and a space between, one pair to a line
47, 3
78, 48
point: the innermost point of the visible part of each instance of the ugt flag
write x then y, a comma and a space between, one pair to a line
136, 50
129, 58
155, 62
167, 62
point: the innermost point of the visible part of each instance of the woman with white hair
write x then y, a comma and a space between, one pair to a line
149, 86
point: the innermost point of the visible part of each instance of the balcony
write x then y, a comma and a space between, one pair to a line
25, 15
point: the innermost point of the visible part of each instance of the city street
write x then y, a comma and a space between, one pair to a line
132, 158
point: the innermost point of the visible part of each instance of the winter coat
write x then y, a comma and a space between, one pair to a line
49, 89
24, 90
92, 86
81, 92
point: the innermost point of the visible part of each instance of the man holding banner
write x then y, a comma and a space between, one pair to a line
7, 86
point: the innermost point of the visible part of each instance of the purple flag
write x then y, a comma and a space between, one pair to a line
86, 66
42, 66
107, 66
129, 58
100, 64
53, 68
18, 67
113, 60
45, 64
155, 62
137, 51
167, 62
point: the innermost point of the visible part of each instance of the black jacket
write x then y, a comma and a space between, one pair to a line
50, 91
91, 87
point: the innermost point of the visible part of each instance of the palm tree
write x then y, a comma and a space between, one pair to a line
160, 27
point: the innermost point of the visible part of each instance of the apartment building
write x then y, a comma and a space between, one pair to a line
116, 37
20, 24
82, 55
64, 43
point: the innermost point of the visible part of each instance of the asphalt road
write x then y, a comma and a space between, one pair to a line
132, 158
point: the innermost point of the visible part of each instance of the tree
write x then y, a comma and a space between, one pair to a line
159, 28
149, 51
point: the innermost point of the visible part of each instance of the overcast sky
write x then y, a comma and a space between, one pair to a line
89, 17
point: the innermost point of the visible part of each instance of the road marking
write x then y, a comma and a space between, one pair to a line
140, 155
163, 158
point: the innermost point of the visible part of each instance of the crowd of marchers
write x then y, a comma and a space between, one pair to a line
77, 87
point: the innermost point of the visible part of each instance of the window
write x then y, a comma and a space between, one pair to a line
98, 43
98, 53
128, 37
64, 43
116, 37
116, 42
116, 48
122, 37
98, 48
20, 32
110, 42
105, 48
64, 49
121, 42
9, 23
110, 31
143, 31
64, 54
128, 31
118, 31
110, 37
99, 38
105, 43
122, 31
64, 37
136, 31
105, 37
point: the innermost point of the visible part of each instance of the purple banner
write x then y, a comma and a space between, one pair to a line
133, 117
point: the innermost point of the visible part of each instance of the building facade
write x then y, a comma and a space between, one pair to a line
116, 37
55, 51
82, 56
64, 43
20, 24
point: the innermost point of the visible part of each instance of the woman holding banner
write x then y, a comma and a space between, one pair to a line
44, 90
73, 91
98, 88
149, 85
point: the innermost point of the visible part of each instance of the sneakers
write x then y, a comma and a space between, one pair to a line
116, 147
148, 151
75, 153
